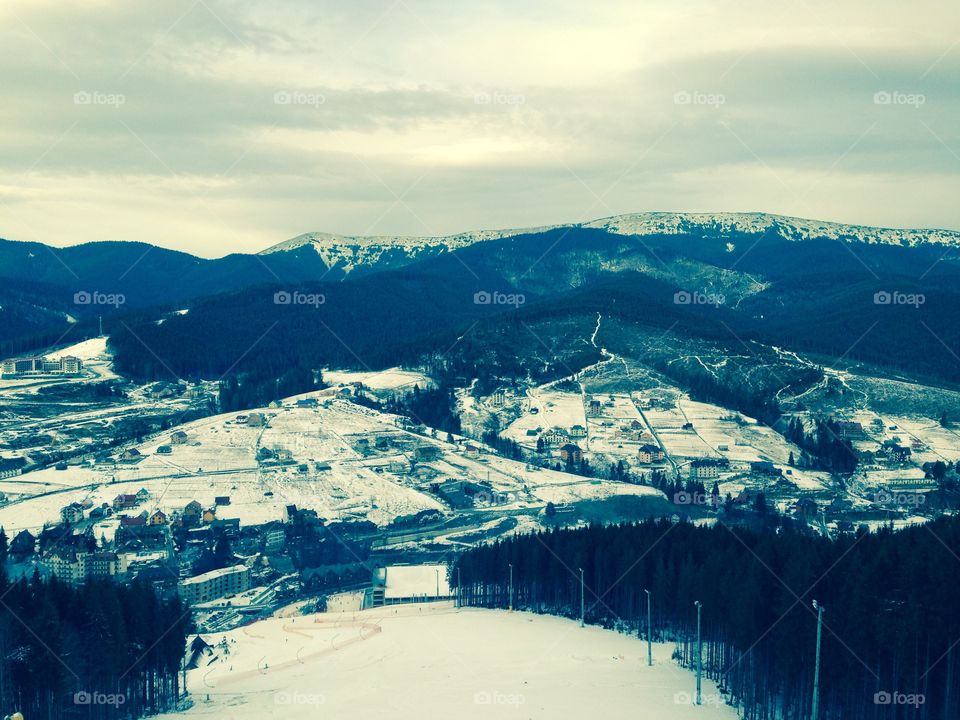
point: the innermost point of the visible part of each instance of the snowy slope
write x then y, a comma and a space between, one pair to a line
432, 661
790, 228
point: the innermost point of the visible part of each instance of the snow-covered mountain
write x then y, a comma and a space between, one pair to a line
350, 253
790, 228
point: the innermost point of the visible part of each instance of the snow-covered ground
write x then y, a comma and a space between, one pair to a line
326, 469
391, 379
433, 661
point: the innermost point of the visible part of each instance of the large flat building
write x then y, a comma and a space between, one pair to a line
215, 584
66, 365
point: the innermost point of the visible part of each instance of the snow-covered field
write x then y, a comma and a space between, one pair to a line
555, 409
391, 379
433, 661
325, 469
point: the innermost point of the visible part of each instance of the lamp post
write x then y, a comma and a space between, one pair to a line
649, 632
510, 604
816, 668
582, 605
699, 652
437, 571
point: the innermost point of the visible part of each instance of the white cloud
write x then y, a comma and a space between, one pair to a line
476, 116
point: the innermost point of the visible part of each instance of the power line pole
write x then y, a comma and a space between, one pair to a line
582, 605
814, 712
649, 633
459, 589
699, 652
510, 605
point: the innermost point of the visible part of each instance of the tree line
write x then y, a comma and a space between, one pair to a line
99, 650
891, 626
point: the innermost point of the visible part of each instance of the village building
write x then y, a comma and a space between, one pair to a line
427, 452
124, 501
554, 436
22, 546
650, 454
72, 513
706, 468
571, 453
178, 437
215, 584
256, 419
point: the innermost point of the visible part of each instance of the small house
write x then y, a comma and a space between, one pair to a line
178, 438
256, 419
427, 452
571, 453
123, 501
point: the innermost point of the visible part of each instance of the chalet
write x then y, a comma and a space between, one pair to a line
471, 450
221, 500
192, 509
201, 653
131, 522
23, 545
307, 402
143, 495
158, 518
650, 454
427, 452
209, 515
382, 442
164, 450
256, 419
363, 445
72, 513
806, 507
123, 501
178, 438
594, 408
849, 429
578, 431
765, 467
571, 453
131, 455
289, 513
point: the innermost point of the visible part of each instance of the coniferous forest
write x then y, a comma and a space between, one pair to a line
890, 634
100, 650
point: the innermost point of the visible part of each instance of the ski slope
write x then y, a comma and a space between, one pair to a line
432, 661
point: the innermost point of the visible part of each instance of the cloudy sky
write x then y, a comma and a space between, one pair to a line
218, 126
